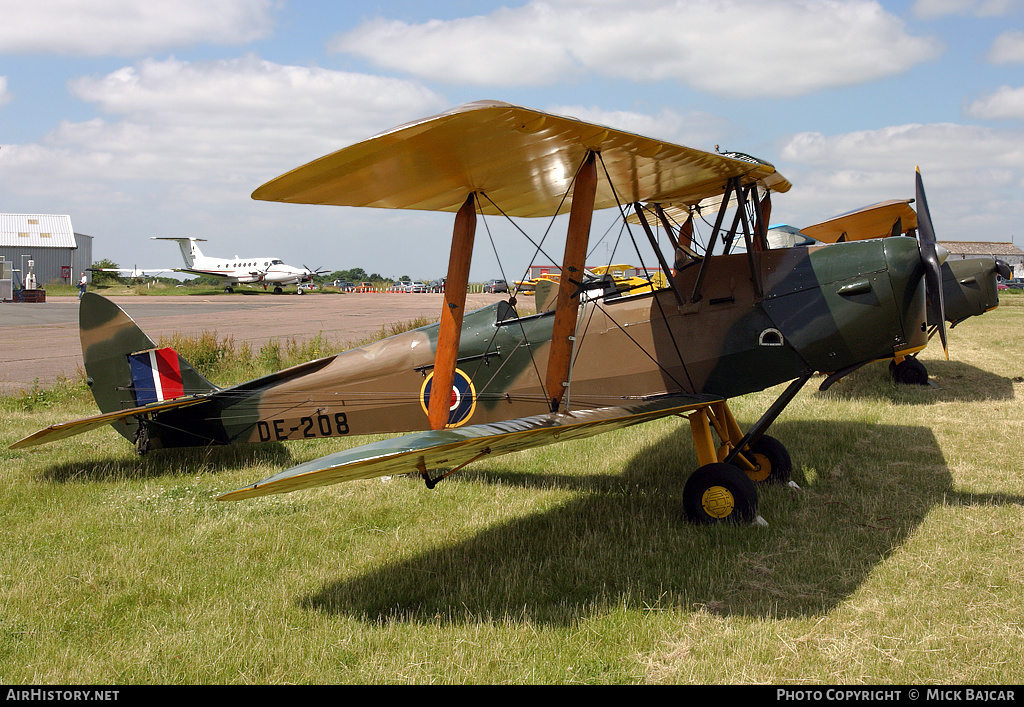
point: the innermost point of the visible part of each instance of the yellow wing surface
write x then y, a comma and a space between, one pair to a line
64, 430
522, 160
875, 221
421, 452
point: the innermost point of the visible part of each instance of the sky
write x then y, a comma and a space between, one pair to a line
159, 119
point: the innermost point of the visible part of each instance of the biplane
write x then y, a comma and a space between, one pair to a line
969, 285
736, 316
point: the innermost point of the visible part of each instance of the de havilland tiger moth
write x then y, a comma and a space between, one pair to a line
969, 285
736, 317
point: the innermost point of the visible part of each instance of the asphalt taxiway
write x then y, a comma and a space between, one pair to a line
40, 341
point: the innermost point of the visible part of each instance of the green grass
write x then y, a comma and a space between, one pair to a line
899, 560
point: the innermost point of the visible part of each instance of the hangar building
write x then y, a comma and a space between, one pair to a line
1008, 252
57, 252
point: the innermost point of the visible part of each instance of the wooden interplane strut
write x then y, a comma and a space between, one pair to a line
450, 328
573, 263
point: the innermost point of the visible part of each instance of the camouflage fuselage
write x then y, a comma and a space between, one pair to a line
743, 330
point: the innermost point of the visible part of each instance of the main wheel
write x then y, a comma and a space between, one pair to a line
771, 461
909, 371
717, 493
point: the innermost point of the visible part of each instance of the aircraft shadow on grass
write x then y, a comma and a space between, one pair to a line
624, 542
169, 462
950, 381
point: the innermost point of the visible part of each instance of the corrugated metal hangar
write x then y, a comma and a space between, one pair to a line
49, 241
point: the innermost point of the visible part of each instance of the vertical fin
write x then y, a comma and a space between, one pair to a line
109, 339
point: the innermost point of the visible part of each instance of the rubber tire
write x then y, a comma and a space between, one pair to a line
774, 458
736, 485
909, 371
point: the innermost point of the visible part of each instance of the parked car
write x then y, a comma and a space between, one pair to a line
495, 286
415, 287
364, 287
438, 284
344, 285
1016, 283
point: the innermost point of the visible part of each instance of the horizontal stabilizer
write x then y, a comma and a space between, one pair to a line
436, 449
63, 430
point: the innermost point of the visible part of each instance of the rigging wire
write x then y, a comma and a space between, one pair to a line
657, 300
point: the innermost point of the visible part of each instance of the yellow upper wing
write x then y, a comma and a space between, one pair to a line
522, 159
875, 221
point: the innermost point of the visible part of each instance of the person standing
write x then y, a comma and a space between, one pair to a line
81, 285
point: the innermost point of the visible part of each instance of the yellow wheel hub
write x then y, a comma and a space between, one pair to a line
762, 468
718, 502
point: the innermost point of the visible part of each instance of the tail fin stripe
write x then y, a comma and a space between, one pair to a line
156, 375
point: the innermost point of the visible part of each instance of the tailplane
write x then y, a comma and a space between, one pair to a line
189, 250
125, 368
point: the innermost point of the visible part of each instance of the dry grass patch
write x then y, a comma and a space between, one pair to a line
899, 560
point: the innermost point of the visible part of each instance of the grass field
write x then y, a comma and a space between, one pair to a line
900, 559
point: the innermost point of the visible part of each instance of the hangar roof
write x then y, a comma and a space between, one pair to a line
36, 230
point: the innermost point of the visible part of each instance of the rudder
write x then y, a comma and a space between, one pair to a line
124, 368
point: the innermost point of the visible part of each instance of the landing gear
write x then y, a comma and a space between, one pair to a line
718, 493
723, 488
771, 461
909, 371
228, 290
278, 290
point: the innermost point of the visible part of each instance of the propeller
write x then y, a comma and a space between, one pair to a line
932, 262
313, 273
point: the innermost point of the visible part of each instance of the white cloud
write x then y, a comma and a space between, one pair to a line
973, 175
181, 146
934, 9
231, 119
1004, 103
203, 132
1008, 48
693, 128
127, 27
726, 47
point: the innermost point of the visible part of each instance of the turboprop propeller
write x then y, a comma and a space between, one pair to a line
314, 273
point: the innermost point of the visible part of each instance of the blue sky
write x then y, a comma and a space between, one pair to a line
160, 119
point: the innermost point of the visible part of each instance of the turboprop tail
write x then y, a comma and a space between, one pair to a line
189, 250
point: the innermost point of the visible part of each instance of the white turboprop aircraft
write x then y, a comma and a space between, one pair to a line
270, 272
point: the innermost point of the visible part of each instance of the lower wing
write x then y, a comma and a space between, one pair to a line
434, 449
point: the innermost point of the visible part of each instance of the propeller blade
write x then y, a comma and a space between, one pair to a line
930, 255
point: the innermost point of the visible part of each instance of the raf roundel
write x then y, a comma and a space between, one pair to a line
463, 398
